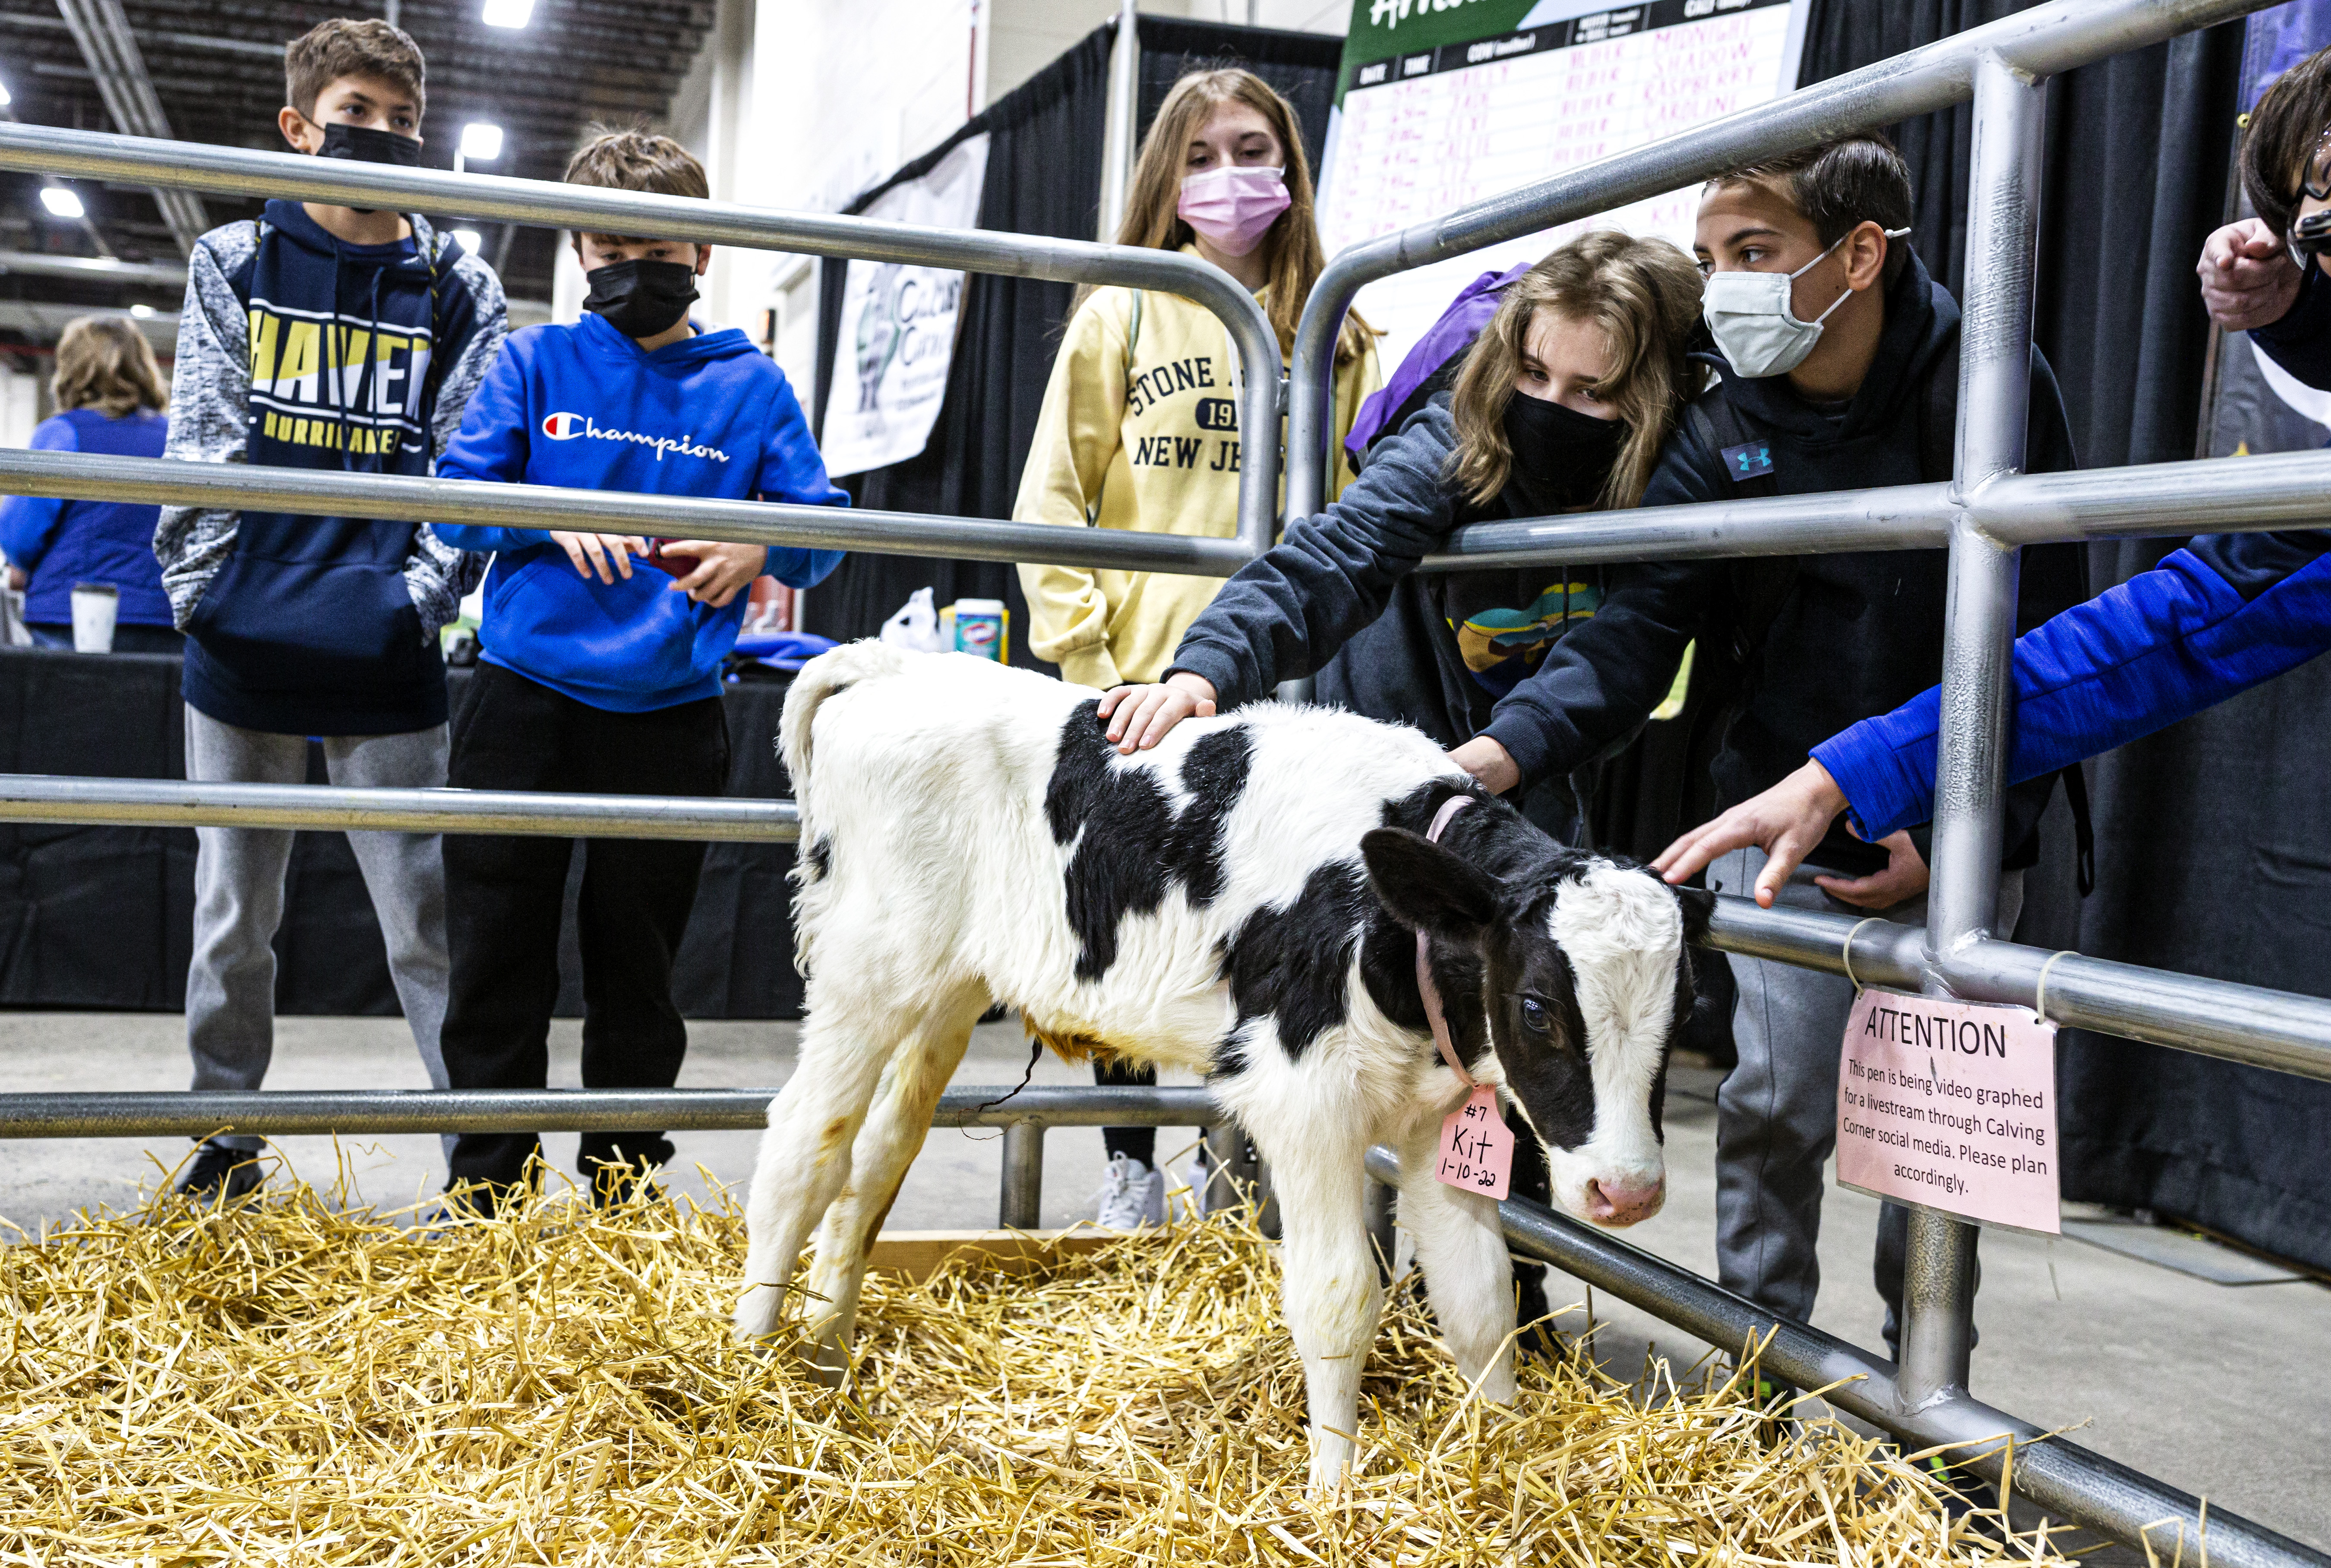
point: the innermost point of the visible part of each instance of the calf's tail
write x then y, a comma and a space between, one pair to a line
820, 679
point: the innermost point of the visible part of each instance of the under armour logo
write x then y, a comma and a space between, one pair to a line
1750, 460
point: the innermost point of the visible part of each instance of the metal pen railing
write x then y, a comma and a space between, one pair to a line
1024, 1114
238, 171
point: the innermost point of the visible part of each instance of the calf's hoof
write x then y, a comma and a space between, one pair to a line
756, 1316
827, 1364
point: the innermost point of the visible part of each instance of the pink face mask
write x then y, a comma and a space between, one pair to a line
1235, 208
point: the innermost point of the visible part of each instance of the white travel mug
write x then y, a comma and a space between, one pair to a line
95, 607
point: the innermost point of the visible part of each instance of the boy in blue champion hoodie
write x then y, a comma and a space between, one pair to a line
603, 674
336, 339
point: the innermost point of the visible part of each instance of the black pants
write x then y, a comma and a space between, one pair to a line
504, 898
1133, 1142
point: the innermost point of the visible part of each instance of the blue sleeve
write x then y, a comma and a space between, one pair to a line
2300, 342
29, 523
2218, 617
793, 471
493, 446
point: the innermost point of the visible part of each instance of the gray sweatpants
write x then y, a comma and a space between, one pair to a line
1776, 1112
239, 897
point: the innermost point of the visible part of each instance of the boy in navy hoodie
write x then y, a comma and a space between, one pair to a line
601, 672
337, 339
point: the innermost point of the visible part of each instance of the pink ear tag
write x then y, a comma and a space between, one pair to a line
1476, 1148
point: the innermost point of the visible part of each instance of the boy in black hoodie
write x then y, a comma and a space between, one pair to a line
336, 339
1847, 378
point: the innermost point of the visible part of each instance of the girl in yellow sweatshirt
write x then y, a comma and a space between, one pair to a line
1139, 428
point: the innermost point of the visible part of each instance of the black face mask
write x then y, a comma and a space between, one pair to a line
642, 298
364, 144
1561, 458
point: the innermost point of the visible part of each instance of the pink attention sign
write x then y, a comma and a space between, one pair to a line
1950, 1105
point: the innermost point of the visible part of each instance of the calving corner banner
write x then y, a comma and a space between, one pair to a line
898, 321
1443, 102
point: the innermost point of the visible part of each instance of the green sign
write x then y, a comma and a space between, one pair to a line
1384, 28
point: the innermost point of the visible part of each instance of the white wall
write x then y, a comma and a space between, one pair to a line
21, 401
805, 103
1030, 34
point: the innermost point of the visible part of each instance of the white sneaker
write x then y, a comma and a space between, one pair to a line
1131, 1195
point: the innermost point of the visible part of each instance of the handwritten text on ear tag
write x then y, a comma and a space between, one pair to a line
1476, 1148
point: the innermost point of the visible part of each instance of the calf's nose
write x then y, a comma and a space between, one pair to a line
1615, 1201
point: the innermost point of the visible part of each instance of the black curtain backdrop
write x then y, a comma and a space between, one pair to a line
1043, 177
102, 918
2214, 838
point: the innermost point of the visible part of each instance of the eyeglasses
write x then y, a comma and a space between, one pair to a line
2314, 179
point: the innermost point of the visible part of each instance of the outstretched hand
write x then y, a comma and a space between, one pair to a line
1140, 717
1785, 822
2247, 278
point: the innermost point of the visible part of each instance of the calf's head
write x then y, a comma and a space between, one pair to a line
1585, 981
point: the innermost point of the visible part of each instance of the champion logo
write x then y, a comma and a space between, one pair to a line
569, 426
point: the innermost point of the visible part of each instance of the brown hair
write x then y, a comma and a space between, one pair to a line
1839, 185
2278, 136
106, 364
1293, 259
1644, 296
636, 159
342, 47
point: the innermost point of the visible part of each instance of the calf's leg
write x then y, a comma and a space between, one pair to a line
1329, 1276
806, 1155
887, 1143
1467, 1274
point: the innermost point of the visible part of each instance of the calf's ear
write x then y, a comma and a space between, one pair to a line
1425, 886
1698, 908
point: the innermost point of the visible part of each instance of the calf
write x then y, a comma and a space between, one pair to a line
1241, 901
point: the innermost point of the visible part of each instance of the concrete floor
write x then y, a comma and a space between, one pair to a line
2224, 1391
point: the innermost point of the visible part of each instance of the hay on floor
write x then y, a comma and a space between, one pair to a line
294, 1382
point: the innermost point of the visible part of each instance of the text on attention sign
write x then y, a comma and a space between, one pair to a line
1951, 1105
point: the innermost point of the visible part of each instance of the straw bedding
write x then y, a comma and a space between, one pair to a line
297, 1381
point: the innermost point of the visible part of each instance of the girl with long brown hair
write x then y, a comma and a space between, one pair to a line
1562, 404
109, 397
1139, 427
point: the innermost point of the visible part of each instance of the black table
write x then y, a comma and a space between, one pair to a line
101, 918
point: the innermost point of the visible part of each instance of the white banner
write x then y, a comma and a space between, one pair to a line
898, 329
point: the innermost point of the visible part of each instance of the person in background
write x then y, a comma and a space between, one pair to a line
336, 339
601, 663
1139, 425
2254, 278
109, 400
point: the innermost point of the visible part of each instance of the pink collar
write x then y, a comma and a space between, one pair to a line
1430, 992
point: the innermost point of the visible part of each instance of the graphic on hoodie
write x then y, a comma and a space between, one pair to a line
340, 380
297, 350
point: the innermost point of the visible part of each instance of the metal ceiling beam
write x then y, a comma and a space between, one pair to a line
93, 268
102, 30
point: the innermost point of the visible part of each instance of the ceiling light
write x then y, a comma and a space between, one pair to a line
141, 311
61, 202
481, 141
508, 13
471, 239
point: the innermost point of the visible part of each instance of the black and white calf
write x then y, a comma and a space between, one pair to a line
1241, 901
